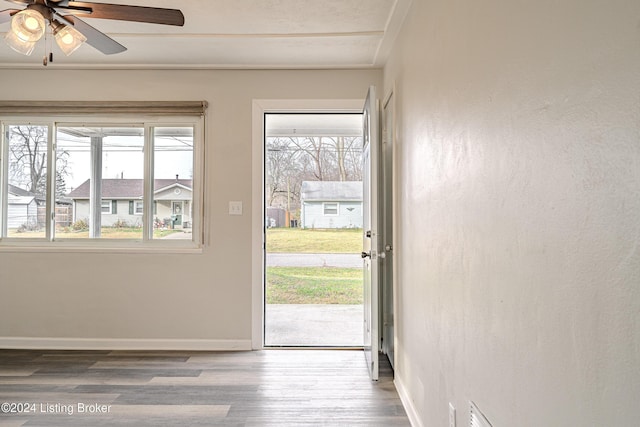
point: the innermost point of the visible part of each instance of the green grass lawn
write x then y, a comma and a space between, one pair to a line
314, 285
296, 240
105, 233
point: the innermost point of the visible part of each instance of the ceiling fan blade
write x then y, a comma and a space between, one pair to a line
5, 15
22, 1
153, 15
95, 38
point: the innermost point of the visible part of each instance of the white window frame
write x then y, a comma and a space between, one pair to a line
147, 244
325, 205
102, 211
137, 203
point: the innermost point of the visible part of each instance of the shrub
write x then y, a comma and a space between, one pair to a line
121, 223
80, 225
28, 226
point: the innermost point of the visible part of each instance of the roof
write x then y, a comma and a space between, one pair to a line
20, 200
331, 191
17, 191
126, 188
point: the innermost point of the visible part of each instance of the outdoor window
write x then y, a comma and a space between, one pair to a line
106, 207
330, 208
108, 176
138, 207
26, 178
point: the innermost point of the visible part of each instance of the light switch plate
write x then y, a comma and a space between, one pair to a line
235, 208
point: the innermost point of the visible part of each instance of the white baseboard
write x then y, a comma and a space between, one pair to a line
414, 419
28, 343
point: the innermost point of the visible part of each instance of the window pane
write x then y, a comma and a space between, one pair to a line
122, 180
27, 183
122, 172
173, 182
73, 172
331, 209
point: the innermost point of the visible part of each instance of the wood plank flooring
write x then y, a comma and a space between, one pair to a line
259, 388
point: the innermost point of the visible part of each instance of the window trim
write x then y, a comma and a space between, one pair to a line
102, 108
147, 244
102, 202
135, 207
324, 208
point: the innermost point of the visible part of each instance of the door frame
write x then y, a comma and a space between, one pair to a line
259, 108
390, 99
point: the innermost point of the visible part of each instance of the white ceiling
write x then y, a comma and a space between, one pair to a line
313, 125
239, 34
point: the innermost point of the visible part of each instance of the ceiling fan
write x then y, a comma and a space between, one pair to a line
28, 25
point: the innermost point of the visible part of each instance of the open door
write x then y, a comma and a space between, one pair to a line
370, 230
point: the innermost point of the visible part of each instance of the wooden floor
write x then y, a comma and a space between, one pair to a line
260, 388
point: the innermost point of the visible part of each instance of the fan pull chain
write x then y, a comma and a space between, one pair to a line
46, 47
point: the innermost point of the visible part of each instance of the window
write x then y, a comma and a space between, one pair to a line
153, 166
330, 208
173, 186
26, 178
105, 207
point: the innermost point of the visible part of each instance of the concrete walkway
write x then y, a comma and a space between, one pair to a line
314, 325
321, 325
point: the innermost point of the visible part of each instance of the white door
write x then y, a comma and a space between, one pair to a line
371, 158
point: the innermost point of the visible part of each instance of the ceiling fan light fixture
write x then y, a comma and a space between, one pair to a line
19, 45
68, 38
28, 25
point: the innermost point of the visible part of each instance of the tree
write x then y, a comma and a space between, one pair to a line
291, 160
28, 160
62, 172
28, 157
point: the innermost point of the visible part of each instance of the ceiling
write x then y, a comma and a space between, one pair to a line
280, 124
238, 34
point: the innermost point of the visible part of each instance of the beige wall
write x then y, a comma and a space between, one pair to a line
160, 296
519, 184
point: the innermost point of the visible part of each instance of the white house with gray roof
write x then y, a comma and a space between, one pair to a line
122, 202
331, 204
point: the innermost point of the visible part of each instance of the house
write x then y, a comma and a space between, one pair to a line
331, 204
122, 202
22, 208
515, 128
26, 210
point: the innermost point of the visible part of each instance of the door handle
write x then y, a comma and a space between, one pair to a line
365, 255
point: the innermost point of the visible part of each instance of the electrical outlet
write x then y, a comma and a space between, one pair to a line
452, 415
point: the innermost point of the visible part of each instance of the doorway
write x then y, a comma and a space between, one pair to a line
312, 230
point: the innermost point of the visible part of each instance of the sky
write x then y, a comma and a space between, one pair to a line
123, 157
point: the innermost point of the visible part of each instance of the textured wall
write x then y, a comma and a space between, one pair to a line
160, 296
519, 198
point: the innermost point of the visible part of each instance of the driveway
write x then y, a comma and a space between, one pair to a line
314, 260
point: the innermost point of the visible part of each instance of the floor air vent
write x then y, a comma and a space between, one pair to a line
477, 419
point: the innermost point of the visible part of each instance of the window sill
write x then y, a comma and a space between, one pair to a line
104, 246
